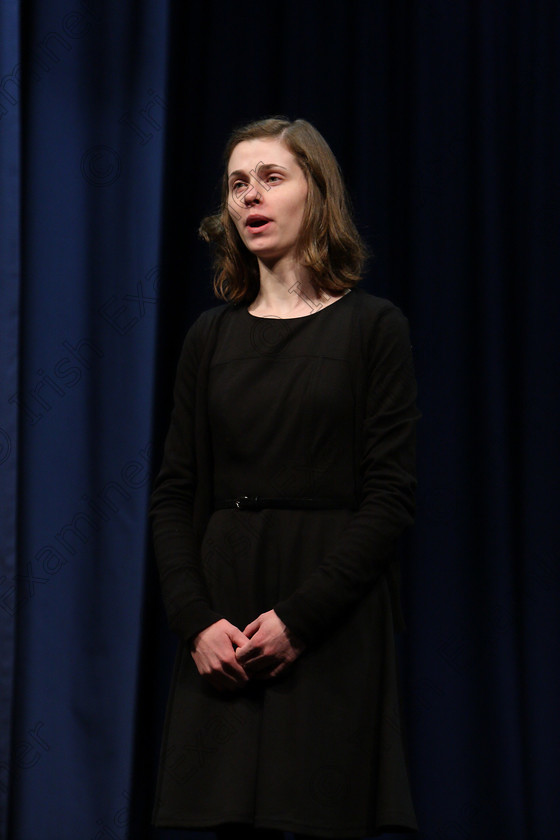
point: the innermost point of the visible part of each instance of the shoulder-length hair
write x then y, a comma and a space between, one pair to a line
329, 245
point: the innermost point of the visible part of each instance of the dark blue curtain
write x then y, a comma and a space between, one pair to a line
445, 119
87, 97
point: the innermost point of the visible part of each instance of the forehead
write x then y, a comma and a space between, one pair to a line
249, 153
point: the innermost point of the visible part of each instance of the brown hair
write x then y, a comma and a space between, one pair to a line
329, 245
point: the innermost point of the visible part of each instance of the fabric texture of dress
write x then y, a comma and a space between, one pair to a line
320, 407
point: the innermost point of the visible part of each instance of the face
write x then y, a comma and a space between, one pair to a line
267, 193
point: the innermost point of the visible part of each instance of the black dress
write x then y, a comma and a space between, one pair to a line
293, 414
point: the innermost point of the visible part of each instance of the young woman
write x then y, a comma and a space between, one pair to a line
287, 478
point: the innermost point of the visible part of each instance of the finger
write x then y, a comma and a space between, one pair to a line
235, 671
270, 673
229, 678
252, 657
279, 669
261, 662
245, 653
249, 650
237, 637
252, 628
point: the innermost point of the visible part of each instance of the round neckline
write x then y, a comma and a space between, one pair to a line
301, 317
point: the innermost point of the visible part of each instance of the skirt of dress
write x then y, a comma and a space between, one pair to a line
319, 750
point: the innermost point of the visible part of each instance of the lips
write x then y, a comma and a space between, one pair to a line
255, 221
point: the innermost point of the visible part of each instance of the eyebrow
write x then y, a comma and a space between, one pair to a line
261, 166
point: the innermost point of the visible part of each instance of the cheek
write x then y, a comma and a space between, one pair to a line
233, 211
298, 214
236, 223
300, 205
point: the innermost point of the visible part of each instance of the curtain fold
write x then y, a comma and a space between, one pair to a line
10, 251
91, 181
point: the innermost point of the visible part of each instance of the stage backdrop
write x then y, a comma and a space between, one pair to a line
445, 119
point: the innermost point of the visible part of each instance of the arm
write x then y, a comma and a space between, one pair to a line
212, 639
172, 503
367, 545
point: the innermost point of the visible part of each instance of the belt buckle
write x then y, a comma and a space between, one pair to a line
245, 502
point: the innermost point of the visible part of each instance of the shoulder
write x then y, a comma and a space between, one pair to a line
202, 330
382, 336
210, 317
378, 317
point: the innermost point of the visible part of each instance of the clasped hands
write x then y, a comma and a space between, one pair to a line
228, 658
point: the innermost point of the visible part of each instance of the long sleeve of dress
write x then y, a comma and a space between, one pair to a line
366, 547
172, 508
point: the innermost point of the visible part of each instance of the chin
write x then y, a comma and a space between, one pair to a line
265, 252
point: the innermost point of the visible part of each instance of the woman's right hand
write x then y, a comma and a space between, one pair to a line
213, 651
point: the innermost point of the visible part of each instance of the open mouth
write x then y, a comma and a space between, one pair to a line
257, 222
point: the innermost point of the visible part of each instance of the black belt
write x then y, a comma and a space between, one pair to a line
260, 502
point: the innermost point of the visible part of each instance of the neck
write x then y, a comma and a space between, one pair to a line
285, 290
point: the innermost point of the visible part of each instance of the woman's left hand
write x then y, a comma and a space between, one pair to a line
270, 649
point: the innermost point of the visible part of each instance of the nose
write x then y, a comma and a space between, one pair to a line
252, 195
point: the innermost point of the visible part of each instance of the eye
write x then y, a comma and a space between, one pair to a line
238, 187
274, 178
